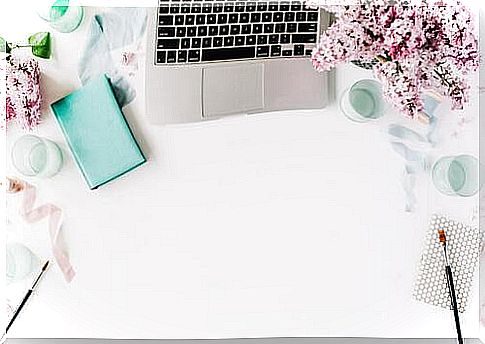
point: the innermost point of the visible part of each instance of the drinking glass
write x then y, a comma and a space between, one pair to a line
61, 15
457, 175
20, 263
34, 156
363, 101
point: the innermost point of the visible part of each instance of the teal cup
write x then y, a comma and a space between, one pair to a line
363, 101
457, 175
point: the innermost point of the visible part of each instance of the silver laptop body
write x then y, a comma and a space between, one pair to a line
209, 59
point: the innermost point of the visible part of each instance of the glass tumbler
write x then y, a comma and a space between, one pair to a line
20, 263
457, 175
363, 101
61, 15
34, 156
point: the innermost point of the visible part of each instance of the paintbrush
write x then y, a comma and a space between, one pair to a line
451, 285
26, 297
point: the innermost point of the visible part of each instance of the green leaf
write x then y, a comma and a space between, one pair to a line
3, 45
4, 49
41, 44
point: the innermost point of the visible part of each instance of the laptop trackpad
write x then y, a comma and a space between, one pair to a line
230, 90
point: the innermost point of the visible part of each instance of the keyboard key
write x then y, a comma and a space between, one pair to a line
255, 17
217, 42
213, 30
301, 16
284, 6
172, 56
217, 8
194, 55
211, 19
304, 38
308, 52
200, 19
190, 20
235, 29
227, 54
289, 16
228, 7
257, 28
299, 50
273, 6
239, 7
181, 31
285, 38
172, 43
182, 56
246, 29
224, 30
312, 16
196, 8
262, 51
307, 27
165, 20
244, 18
276, 50
268, 28
161, 56
179, 20
228, 41
192, 31
296, 6
163, 10
174, 9
222, 18
262, 39
207, 42
278, 16
251, 40
262, 7
207, 8
273, 39
251, 7
279, 28
239, 40
233, 18
166, 31
287, 53
291, 27
185, 44
185, 9
196, 42
202, 31
266, 17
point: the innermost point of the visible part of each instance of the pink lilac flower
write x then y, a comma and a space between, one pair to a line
23, 92
416, 46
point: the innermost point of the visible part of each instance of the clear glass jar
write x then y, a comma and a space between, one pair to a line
20, 262
34, 156
457, 175
61, 15
363, 101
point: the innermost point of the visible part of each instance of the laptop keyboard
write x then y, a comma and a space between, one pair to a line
201, 31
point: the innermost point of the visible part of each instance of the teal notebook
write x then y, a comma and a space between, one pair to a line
97, 133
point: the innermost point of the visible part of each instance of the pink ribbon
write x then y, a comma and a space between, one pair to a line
54, 215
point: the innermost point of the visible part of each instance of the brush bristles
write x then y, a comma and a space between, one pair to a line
442, 236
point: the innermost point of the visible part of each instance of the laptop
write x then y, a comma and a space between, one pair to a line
207, 59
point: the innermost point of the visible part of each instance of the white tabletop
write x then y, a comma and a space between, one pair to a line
280, 224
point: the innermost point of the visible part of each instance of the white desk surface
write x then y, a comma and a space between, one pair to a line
282, 224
